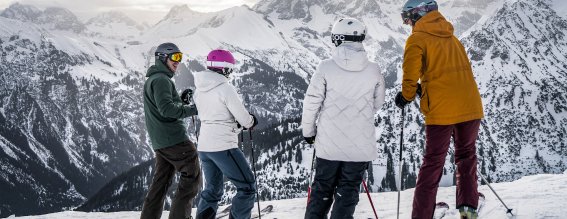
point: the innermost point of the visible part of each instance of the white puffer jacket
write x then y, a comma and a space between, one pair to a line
344, 94
219, 109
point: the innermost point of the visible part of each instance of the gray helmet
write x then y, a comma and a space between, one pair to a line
163, 51
415, 9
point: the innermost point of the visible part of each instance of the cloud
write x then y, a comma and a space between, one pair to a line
150, 11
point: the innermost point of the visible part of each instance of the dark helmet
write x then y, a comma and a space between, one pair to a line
415, 9
164, 50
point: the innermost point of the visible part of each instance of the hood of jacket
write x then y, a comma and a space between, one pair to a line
207, 80
159, 67
435, 24
350, 56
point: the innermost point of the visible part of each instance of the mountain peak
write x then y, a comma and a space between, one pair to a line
106, 18
52, 17
179, 11
21, 12
301, 9
114, 25
61, 19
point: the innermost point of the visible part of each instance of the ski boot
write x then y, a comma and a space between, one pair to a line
467, 212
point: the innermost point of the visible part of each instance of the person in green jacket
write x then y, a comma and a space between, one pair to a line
164, 109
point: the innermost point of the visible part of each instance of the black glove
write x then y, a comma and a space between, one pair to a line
400, 101
255, 121
309, 140
418, 91
240, 126
186, 96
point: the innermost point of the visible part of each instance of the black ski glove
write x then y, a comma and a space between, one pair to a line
400, 101
255, 121
418, 91
186, 96
309, 140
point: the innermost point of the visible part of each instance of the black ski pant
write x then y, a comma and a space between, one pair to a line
180, 158
338, 180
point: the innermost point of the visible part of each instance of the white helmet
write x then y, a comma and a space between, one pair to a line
348, 29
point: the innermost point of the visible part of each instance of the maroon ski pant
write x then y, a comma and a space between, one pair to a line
438, 138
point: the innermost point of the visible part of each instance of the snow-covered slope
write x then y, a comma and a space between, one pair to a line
519, 60
531, 197
270, 75
70, 114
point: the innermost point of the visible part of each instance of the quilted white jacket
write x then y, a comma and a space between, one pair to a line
219, 109
344, 94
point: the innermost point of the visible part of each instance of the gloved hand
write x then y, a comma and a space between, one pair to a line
400, 101
310, 140
186, 96
418, 91
255, 121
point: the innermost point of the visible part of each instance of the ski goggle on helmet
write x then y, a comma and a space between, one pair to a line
415, 9
221, 61
348, 29
176, 57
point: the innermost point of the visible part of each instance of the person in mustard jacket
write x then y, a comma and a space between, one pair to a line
449, 100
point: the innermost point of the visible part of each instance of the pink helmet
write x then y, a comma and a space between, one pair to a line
220, 61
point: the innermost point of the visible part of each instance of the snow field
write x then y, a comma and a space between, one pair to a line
531, 197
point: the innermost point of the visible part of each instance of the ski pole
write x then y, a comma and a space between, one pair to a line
254, 167
193, 118
242, 139
508, 210
311, 175
400, 161
369, 198
195, 126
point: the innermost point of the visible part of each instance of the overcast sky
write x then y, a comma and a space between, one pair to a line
150, 11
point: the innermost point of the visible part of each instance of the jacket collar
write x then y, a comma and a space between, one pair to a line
159, 67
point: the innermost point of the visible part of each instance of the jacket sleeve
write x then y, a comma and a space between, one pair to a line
167, 107
379, 93
412, 67
236, 108
312, 103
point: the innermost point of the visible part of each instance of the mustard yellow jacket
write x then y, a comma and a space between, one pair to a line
436, 57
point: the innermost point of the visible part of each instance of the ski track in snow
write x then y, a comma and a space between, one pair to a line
533, 197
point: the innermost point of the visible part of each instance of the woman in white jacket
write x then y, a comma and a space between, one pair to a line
221, 112
338, 117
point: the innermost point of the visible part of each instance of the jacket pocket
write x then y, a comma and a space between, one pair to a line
425, 103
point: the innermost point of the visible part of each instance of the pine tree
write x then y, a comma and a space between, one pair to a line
389, 181
298, 155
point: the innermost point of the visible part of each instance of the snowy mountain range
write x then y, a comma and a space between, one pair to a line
72, 117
